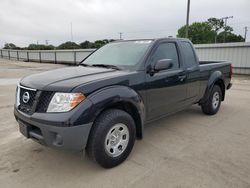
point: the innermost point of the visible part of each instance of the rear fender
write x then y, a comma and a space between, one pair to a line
215, 77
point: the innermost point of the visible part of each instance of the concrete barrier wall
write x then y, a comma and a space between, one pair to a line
236, 53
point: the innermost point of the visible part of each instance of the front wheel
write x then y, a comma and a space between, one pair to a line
112, 138
212, 105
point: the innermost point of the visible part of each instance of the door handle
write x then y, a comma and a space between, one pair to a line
182, 77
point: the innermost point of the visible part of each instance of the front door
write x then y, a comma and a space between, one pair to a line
166, 89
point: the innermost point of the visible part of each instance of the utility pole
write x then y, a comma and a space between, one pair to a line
187, 19
120, 34
245, 36
71, 31
225, 18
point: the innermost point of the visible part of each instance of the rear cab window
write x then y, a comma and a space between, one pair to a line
188, 54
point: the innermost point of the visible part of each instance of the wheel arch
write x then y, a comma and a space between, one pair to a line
221, 84
216, 78
123, 98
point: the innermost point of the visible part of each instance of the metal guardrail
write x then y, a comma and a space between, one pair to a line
50, 56
236, 53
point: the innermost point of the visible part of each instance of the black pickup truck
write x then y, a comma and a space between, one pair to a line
102, 105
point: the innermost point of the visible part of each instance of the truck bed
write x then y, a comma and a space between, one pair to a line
210, 62
207, 68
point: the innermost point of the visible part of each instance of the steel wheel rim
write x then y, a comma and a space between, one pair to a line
216, 100
116, 140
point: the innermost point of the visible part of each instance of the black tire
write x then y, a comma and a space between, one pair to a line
208, 107
103, 125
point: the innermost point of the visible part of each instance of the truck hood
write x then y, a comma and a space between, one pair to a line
65, 79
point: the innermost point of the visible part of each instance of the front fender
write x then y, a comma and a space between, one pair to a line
107, 97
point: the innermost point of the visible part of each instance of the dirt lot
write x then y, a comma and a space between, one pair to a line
188, 149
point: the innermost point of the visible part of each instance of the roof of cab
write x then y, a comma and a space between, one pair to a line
155, 39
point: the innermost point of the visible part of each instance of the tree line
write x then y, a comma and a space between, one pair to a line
213, 30
66, 45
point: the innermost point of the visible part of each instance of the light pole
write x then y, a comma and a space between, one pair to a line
187, 19
71, 32
120, 35
225, 18
245, 36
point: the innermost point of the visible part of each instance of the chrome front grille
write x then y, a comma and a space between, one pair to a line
29, 100
25, 99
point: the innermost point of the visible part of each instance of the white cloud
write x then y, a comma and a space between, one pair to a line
28, 21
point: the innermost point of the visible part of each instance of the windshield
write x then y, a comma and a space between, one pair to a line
120, 54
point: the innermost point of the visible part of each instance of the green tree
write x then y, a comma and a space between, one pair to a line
85, 44
33, 47
216, 25
227, 33
209, 32
11, 46
99, 43
96, 44
49, 47
198, 33
230, 37
40, 47
69, 45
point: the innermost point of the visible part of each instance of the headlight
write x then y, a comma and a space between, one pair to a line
64, 102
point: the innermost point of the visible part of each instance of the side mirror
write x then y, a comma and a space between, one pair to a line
163, 64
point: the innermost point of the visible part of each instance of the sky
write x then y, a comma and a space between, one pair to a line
34, 21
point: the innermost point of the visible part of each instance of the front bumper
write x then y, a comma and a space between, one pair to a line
66, 137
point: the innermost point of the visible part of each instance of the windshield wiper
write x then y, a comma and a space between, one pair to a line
85, 65
107, 66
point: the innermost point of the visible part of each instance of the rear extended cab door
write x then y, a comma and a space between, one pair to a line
192, 69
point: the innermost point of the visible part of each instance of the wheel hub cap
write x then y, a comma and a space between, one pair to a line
216, 100
117, 140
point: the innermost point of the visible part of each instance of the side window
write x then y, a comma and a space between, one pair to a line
188, 54
167, 51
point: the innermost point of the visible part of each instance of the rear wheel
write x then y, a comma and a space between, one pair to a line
212, 105
112, 138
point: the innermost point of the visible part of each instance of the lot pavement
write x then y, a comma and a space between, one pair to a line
188, 149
